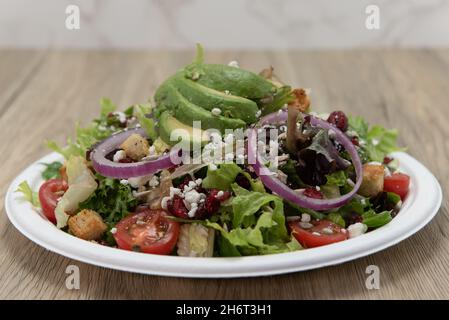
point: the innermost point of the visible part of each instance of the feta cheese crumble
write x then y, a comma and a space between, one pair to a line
121, 116
192, 196
357, 229
234, 64
152, 151
154, 182
119, 155
216, 111
164, 202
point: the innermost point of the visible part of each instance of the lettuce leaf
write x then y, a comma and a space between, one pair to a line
97, 130
71, 148
140, 111
338, 178
258, 226
29, 194
222, 177
336, 218
376, 141
81, 185
256, 184
107, 107
247, 205
376, 220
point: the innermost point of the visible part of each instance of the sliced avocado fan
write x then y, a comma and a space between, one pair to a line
221, 97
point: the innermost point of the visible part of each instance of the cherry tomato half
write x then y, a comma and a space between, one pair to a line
49, 193
322, 232
147, 231
398, 183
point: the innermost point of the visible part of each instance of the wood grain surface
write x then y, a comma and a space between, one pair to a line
43, 93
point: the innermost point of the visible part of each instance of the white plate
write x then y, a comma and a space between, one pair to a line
420, 207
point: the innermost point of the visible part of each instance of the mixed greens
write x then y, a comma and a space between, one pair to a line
139, 179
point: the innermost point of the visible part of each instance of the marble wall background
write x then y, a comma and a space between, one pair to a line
250, 24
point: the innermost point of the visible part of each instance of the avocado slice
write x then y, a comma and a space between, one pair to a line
168, 97
168, 123
237, 81
207, 98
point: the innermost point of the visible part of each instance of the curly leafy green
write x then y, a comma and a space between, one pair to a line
338, 178
112, 200
376, 141
140, 111
70, 149
29, 194
103, 127
51, 170
97, 130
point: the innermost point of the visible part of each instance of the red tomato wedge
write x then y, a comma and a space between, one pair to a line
321, 233
398, 183
49, 193
147, 231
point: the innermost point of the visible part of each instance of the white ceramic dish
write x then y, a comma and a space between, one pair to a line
420, 207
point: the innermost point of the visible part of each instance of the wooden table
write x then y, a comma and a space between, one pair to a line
43, 93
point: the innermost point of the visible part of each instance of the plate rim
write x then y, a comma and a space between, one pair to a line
217, 267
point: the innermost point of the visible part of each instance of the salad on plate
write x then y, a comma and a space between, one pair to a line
223, 162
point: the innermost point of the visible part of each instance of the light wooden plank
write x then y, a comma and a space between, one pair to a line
403, 89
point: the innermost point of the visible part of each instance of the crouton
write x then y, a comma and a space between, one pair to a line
136, 147
373, 180
301, 100
87, 225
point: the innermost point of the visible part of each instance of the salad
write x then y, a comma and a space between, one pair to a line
223, 162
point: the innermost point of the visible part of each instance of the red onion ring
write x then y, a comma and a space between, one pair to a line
275, 117
117, 170
283, 190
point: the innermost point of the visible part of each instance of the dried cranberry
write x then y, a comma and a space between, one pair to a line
338, 119
224, 196
177, 208
201, 212
355, 141
313, 193
185, 182
125, 160
212, 204
387, 160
